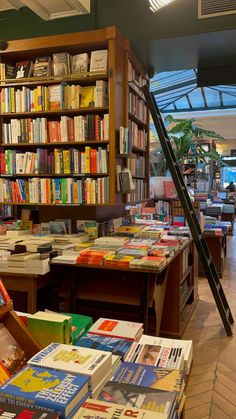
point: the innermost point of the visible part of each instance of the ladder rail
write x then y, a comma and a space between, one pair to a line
199, 239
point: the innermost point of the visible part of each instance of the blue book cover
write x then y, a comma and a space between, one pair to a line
149, 376
105, 343
49, 389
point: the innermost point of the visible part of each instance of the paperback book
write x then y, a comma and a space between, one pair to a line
72, 359
104, 410
117, 346
157, 355
40, 387
139, 396
150, 376
117, 328
185, 345
7, 411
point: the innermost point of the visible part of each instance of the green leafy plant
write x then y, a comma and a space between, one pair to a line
188, 144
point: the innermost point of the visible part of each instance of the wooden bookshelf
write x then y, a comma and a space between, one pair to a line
120, 89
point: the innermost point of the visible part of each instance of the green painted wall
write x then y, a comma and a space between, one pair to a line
134, 19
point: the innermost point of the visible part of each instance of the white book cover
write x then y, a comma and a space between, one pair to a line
99, 409
186, 345
99, 60
156, 355
117, 328
74, 359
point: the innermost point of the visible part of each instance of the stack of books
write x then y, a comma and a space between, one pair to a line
113, 368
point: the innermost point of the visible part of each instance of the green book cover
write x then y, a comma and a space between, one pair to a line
47, 328
80, 325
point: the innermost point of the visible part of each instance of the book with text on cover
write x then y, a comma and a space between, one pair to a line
139, 396
7, 411
40, 387
75, 360
117, 346
103, 410
117, 328
151, 376
42, 67
99, 60
186, 345
156, 355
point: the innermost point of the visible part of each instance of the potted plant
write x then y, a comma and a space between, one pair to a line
188, 145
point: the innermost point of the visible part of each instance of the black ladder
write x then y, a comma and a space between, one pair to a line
199, 239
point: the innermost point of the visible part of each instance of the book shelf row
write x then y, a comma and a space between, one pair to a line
55, 191
67, 129
60, 161
56, 64
53, 97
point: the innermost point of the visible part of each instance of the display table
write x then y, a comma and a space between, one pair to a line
83, 286
27, 283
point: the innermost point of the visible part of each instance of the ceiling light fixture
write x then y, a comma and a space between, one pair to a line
156, 5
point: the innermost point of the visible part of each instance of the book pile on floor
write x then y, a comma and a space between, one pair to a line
112, 370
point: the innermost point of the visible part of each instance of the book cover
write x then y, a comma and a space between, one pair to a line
50, 327
99, 60
12, 357
41, 387
80, 325
138, 396
150, 376
87, 97
42, 67
103, 410
117, 346
57, 227
169, 189
7, 410
156, 355
70, 358
186, 345
23, 69
80, 63
54, 97
61, 64
117, 328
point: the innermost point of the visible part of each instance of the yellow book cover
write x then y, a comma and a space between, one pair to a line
87, 159
87, 97
13, 101
66, 161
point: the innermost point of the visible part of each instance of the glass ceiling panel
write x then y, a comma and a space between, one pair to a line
178, 91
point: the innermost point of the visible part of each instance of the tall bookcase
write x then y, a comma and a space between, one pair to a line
100, 198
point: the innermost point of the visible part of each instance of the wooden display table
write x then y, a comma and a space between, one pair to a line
139, 289
29, 284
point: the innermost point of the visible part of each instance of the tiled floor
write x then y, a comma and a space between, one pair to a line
211, 389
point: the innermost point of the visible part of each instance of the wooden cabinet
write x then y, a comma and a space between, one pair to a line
83, 183
181, 293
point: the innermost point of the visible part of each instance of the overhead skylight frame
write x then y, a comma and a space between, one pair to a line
156, 5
